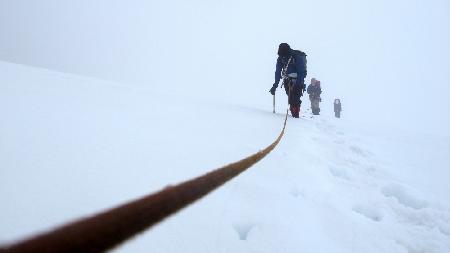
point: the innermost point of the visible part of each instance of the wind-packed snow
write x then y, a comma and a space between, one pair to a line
188, 93
71, 146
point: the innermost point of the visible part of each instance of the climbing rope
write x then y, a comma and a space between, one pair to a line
108, 229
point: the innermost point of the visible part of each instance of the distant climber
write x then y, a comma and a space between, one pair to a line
291, 67
314, 92
337, 108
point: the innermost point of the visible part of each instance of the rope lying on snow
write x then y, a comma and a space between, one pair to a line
106, 230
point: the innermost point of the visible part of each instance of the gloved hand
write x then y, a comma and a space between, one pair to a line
272, 90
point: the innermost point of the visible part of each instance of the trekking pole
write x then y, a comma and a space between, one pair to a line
273, 103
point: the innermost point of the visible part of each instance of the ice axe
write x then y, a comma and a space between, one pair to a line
273, 103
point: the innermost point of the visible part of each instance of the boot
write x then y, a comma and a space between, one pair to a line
295, 111
315, 111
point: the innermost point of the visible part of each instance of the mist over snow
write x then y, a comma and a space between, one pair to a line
381, 57
101, 100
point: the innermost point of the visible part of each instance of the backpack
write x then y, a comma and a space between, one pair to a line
301, 55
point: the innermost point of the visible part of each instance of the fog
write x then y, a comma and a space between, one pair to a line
388, 61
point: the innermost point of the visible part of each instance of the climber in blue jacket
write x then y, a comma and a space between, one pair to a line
291, 68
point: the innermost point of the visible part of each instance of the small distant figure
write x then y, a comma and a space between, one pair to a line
314, 92
337, 108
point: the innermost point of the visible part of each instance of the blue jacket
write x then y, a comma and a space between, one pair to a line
295, 66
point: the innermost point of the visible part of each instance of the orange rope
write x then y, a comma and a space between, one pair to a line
108, 229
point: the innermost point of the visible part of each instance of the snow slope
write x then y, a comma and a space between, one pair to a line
71, 145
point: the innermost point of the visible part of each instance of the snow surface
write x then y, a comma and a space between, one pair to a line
71, 146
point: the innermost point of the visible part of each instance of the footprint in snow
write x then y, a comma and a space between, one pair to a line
402, 196
370, 212
243, 229
296, 192
339, 172
417, 216
359, 151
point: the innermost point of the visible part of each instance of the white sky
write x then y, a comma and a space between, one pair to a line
389, 61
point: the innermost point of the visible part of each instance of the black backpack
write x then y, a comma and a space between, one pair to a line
301, 55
